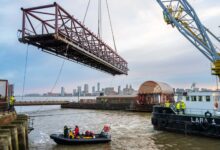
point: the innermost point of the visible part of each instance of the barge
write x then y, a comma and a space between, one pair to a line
201, 117
150, 93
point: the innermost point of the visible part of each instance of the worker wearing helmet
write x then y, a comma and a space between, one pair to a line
76, 131
11, 103
105, 131
183, 106
71, 135
167, 104
178, 107
65, 132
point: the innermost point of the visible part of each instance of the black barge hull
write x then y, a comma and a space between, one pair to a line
165, 119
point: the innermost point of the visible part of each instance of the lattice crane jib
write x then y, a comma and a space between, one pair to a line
180, 14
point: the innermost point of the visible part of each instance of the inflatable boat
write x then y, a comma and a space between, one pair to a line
98, 138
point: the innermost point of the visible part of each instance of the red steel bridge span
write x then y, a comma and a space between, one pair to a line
55, 31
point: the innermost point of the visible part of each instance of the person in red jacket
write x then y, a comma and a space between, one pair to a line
76, 131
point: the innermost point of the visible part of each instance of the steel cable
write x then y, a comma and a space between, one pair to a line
25, 72
58, 76
87, 8
113, 37
99, 19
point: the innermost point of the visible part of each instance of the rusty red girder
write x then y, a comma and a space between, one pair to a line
55, 31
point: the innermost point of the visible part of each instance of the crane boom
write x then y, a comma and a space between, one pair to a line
180, 14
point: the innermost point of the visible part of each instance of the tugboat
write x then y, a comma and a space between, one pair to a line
201, 117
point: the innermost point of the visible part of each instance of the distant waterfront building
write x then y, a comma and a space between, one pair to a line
196, 89
98, 87
33, 95
130, 86
86, 89
179, 91
68, 94
74, 92
93, 89
109, 91
125, 90
188, 90
62, 91
205, 90
119, 90
51, 94
129, 90
79, 91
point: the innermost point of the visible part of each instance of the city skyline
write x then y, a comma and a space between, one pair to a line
79, 91
111, 91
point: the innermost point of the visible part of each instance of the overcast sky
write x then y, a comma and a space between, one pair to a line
153, 50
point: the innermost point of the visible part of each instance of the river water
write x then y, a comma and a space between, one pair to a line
130, 131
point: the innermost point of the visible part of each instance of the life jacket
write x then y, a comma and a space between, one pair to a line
167, 104
12, 100
178, 106
76, 132
183, 105
71, 134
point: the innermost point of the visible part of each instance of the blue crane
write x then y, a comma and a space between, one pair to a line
180, 14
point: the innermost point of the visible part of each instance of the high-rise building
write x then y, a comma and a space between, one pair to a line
129, 90
119, 89
86, 88
74, 92
109, 91
79, 90
98, 87
93, 89
62, 91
